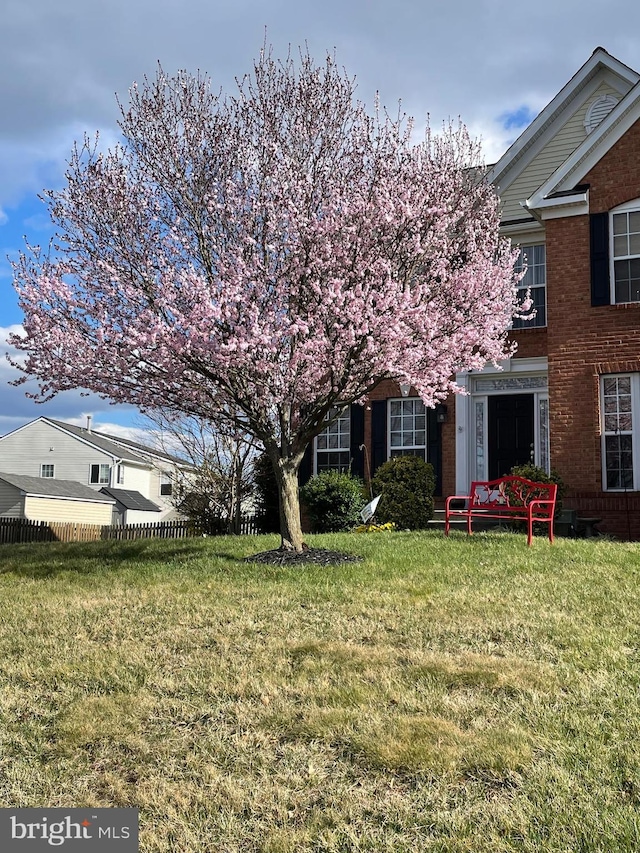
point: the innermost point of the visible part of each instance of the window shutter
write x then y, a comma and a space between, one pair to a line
600, 287
306, 466
378, 434
434, 447
357, 438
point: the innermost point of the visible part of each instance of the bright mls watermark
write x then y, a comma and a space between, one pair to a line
80, 830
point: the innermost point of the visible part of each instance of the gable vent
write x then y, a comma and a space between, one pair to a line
598, 111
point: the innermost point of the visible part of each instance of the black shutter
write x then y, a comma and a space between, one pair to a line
600, 286
306, 466
357, 439
434, 447
378, 434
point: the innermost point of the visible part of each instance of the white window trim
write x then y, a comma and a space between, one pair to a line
406, 448
627, 207
522, 288
48, 476
165, 480
635, 431
99, 481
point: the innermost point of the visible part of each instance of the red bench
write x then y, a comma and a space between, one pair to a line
508, 499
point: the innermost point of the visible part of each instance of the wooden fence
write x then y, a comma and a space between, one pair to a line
22, 530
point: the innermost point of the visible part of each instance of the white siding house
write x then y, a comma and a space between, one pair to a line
45, 499
54, 450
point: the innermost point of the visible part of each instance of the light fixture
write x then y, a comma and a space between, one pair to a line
404, 389
441, 413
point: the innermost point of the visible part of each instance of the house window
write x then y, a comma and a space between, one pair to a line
619, 395
333, 444
100, 475
166, 485
120, 475
47, 471
407, 427
625, 237
535, 280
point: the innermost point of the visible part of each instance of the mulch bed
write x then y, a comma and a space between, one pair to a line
318, 556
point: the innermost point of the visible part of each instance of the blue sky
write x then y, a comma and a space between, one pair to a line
62, 65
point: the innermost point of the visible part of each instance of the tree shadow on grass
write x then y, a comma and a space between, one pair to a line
48, 559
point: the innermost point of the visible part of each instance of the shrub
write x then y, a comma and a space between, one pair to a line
334, 501
406, 484
539, 475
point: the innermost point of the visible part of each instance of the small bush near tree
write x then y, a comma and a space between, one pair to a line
539, 475
334, 501
406, 484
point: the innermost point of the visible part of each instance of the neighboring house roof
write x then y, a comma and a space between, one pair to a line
152, 451
120, 448
131, 500
51, 488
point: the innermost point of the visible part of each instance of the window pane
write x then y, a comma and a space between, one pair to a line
620, 246
634, 222
634, 244
534, 280
420, 453
619, 223
618, 427
333, 443
610, 423
624, 422
408, 429
623, 290
539, 255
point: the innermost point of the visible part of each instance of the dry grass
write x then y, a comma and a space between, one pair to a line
461, 695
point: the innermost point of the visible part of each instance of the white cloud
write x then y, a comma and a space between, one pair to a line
16, 408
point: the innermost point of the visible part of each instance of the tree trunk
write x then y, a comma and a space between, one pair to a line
286, 471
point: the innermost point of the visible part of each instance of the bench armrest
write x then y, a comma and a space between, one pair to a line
456, 498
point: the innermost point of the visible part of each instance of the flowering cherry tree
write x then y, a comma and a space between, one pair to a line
269, 255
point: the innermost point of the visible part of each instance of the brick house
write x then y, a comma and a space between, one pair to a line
570, 398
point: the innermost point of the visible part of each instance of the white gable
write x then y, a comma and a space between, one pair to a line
559, 131
567, 138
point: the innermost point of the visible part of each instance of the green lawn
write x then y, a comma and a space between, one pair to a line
443, 695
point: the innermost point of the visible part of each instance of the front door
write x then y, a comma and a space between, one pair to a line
511, 438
